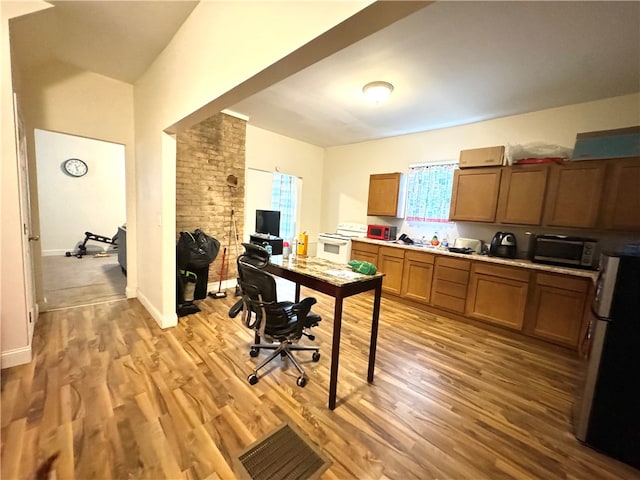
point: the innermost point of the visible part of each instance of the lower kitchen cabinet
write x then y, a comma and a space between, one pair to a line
450, 281
549, 306
417, 274
390, 262
498, 294
557, 308
366, 252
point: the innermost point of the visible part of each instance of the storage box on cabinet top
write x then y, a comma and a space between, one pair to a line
619, 143
482, 157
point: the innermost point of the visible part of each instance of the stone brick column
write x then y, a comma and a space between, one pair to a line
206, 155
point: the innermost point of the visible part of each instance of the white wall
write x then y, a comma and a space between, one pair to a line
220, 45
69, 207
347, 168
273, 152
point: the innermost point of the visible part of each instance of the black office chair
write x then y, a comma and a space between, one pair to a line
281, 324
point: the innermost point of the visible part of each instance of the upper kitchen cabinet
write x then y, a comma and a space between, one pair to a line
621, 200
475, 194
522, 194
386, 195
574, 193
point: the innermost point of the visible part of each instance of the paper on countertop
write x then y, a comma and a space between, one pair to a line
344, 274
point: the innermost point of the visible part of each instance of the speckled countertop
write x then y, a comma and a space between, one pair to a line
330, 272
515, 262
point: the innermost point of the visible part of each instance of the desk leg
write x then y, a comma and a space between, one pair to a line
374, 331
335, 351
297, 298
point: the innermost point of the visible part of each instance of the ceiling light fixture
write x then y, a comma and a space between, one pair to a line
377, 92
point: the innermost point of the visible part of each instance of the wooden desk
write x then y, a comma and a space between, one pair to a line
316, 274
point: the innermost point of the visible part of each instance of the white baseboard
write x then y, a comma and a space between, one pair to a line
54, 253
164, 321
18, 356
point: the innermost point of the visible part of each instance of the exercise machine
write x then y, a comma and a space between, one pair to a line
81, 250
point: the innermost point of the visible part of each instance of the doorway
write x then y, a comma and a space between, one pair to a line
81, 191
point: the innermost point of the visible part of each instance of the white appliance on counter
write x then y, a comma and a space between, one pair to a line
336, 247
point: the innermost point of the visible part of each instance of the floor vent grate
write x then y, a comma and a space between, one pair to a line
283, 454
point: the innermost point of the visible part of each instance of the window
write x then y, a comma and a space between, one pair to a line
429, 192
284, 197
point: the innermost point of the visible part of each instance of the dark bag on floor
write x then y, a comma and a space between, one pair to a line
196, 249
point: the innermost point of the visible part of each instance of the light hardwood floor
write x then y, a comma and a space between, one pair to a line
120, 398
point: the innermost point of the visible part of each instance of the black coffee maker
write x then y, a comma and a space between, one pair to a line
503, 244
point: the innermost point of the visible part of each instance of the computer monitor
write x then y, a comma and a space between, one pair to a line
268, 222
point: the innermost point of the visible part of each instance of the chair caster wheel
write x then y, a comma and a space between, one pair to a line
253, 379
254, 352
316, 356
311, 337
302, 381
283, 354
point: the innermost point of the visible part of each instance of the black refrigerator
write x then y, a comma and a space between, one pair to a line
607, 415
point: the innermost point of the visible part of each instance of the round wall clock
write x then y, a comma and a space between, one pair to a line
75, 167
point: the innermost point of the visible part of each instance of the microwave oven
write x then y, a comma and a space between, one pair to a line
577, 252
382, 232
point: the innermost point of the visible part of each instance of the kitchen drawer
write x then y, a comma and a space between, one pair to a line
451, 274
579, 285
420, 256
391, 252
364, 246
454, 263
518, 274
447, 301
457, 290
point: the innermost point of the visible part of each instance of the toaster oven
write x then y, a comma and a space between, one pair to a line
565, 251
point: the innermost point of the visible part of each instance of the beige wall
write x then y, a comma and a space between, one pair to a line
15, 341
272, 152
347, 168
59, 97
199, 65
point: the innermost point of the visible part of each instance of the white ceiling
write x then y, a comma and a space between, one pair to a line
118, 39
454, 63
451, 62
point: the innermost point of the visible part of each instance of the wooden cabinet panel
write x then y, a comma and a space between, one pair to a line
417, 276
365, 256
557, 308
498, 299
519, 274
455, 263
450, 280
390, 262
364, 251
475, 194
621, 201
384, 194
522, 193
574, 193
